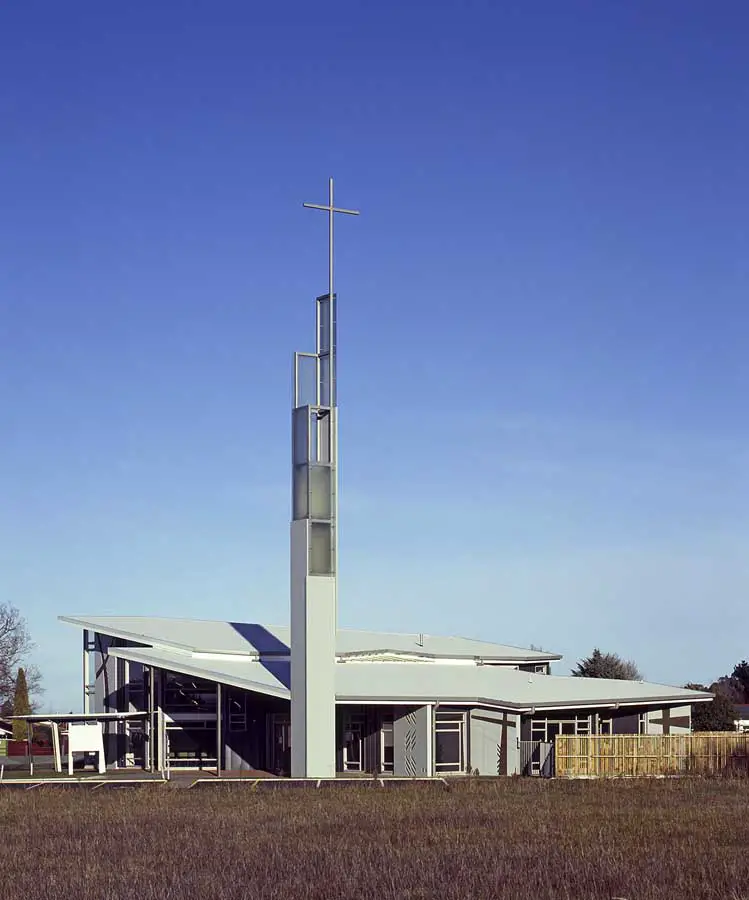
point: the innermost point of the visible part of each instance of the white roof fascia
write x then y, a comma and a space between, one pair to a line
411, 656
120, 633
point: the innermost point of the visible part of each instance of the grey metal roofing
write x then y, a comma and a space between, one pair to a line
423, 682
270, 678
246, 638
493, 684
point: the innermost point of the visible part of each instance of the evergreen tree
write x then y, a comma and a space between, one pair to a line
21, 706
607, 665
719, 715
740, 675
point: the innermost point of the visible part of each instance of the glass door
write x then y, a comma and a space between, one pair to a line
353, 731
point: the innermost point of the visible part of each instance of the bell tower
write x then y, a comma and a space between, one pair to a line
314, 538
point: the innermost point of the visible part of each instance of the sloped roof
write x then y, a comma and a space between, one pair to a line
372, 682
494, 684
245, 638
269, 678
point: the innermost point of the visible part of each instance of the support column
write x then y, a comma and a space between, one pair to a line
161, 748
219, 716
150, 730
88, 688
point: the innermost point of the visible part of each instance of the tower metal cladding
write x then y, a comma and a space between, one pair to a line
314, 537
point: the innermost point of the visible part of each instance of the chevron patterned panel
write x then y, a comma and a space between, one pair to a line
409, 751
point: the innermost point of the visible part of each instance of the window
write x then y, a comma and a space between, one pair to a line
642, 723
605, 726
538, 730
449, 740
541, 670
387, 760
135, 692
547, 729
185, 694
237, 712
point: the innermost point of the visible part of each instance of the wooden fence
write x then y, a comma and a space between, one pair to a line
653, 754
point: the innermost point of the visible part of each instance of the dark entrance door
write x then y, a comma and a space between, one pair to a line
280, 744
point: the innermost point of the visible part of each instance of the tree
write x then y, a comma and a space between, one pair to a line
740, 676
718, 715
729, 687
21, 706
15, 647
607, 665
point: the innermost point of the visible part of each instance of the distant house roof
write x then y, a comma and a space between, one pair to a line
243, 639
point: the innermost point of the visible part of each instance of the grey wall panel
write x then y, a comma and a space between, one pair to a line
494, 747
412, 741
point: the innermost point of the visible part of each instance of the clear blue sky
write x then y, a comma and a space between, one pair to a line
543, 316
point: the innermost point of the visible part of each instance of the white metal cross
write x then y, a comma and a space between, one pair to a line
331, 210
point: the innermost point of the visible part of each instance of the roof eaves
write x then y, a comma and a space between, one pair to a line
623, 701
476, 657
125, 635
580, 703
436, 701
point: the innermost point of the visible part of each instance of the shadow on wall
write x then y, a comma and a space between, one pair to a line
268, 646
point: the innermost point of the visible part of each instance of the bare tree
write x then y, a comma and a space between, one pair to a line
15, 647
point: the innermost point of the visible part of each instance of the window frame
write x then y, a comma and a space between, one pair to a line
540, 728
450, 722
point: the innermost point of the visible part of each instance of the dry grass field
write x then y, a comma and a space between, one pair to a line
515, 838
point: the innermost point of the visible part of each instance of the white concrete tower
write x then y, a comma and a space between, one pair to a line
314, 538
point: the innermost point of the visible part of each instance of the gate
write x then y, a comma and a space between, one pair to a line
537, 758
